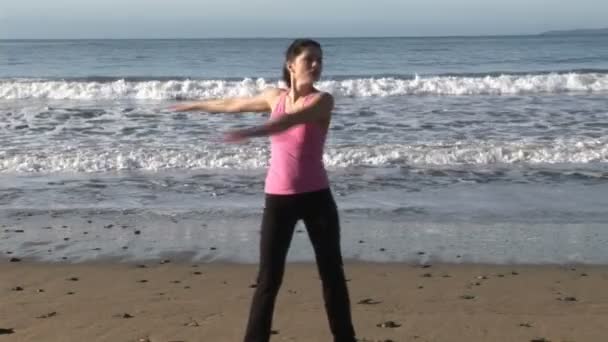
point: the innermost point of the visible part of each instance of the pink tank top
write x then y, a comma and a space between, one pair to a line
296, 157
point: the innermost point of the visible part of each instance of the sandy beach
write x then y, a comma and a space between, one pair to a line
178, 301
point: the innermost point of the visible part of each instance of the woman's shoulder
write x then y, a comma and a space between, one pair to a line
323, 96
273, 96
272, 92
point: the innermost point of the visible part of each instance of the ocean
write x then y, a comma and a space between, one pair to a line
441, 149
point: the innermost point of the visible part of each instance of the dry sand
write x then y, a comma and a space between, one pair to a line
178, 301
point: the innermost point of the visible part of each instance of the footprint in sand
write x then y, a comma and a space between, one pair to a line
369, 301
388, 324
48, 315
125, 315
192, 323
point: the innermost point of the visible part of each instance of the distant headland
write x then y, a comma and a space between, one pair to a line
600, 31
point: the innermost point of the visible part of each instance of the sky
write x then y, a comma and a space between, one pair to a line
57, 19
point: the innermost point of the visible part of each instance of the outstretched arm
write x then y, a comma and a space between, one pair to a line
259, 103
318, 110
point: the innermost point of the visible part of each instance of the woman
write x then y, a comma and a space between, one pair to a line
296, 186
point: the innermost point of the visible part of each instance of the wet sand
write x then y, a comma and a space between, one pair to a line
180, 301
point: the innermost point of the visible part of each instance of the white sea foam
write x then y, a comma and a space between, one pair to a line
197, 157
356, 87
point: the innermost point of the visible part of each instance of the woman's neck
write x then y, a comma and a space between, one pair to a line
296, 91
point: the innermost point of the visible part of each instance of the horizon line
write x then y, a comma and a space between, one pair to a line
559, 31
276, 37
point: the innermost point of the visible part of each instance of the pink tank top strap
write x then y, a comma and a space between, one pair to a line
280, 106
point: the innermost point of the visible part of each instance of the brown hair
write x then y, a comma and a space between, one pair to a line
296, 48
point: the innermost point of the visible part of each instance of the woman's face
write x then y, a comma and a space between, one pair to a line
307, 66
